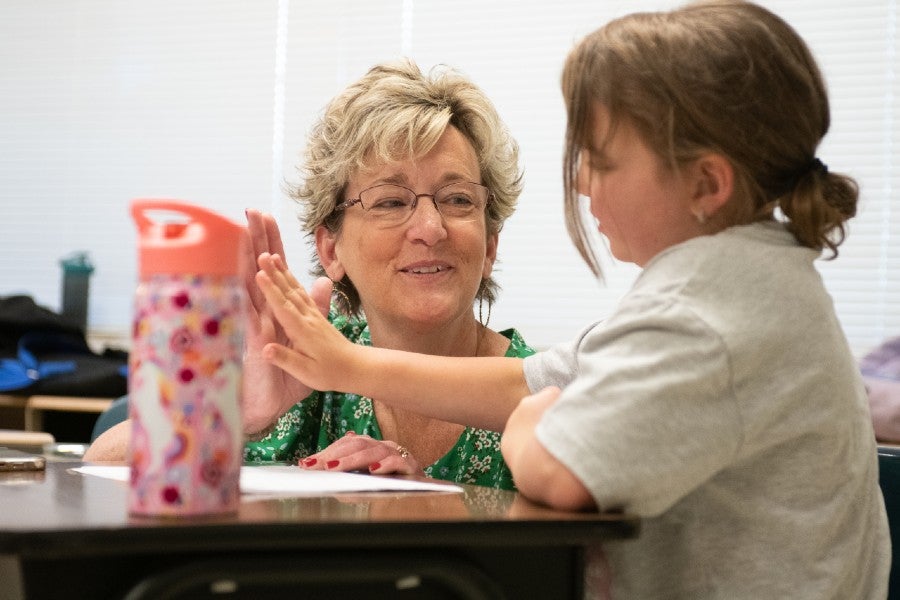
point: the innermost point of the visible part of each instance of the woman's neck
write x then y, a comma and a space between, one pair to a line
427, 438
463, 338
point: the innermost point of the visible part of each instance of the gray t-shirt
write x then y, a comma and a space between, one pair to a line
721, 403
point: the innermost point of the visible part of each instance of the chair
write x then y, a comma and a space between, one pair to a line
889, 478
382, 575
114, 413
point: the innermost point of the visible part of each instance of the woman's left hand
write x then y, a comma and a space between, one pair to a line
362, 453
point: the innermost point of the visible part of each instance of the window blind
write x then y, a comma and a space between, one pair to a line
210, 101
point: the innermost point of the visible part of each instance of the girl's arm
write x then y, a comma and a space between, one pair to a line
478, 392
537, 473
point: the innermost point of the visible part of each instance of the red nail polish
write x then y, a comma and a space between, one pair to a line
308, 462
374, 466
332, 463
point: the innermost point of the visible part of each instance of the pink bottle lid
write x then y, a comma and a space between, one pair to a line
200, 242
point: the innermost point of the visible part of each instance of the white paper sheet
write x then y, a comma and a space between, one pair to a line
294, 481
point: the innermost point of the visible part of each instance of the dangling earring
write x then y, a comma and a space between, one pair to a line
343, 299
480, 309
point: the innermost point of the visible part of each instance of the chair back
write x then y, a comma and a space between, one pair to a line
889, 478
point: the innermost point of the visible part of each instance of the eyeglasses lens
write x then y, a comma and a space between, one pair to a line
390, 204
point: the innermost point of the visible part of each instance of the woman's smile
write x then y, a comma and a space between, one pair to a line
426, 268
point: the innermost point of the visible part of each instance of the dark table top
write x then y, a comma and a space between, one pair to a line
60, 512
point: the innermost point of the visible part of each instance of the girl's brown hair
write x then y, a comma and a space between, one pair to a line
724, 76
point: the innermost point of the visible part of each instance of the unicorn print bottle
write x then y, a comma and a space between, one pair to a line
185, 363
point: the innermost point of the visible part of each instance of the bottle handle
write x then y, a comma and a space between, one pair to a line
206, 242
140, 208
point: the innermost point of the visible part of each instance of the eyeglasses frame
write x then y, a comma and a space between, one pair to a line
352, 201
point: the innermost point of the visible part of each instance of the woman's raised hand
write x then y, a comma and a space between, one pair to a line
268, 390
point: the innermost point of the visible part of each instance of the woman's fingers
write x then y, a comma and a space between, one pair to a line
264, 233
273, 236
255, 238
395, 464
263, 237
362, 453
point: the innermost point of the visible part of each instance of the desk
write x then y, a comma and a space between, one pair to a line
30, 441
37, 405
62, 530
12, 401
27, 413
12, 410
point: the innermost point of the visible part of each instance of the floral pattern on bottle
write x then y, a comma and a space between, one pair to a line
185, 385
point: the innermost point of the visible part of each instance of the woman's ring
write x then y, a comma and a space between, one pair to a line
403, 451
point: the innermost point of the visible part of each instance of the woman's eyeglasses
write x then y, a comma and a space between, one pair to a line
389, 205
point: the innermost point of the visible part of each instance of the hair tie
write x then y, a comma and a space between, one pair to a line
817, 166
814, 166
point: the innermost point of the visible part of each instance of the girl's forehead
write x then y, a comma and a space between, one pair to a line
601, 127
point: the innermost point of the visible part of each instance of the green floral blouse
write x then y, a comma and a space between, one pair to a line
321, 418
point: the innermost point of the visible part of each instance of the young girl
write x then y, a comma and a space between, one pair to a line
720, 400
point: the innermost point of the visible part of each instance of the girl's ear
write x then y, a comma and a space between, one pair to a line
326, 248
714, 185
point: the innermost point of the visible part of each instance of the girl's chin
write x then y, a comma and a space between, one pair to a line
618, 252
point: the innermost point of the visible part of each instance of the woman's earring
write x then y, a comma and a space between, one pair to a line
343, 299
480, 316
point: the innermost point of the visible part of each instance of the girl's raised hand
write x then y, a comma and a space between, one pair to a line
314, 352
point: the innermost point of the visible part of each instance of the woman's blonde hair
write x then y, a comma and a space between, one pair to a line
725, 76
395, 112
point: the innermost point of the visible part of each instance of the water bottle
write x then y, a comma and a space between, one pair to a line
185, 364
77, 269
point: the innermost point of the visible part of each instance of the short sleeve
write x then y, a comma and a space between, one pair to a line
556, 366
651, 413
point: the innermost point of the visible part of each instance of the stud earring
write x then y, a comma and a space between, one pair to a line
700, 216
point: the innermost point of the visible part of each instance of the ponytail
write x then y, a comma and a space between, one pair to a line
818, 207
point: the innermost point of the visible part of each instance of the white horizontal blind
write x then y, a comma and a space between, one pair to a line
102, 101
857, 50
210, 101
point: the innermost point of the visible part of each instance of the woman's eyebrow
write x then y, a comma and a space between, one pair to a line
402, 179
453, 176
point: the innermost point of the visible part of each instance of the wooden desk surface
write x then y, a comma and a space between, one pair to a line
59, 526
63, 506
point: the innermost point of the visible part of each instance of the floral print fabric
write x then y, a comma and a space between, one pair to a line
321, 418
